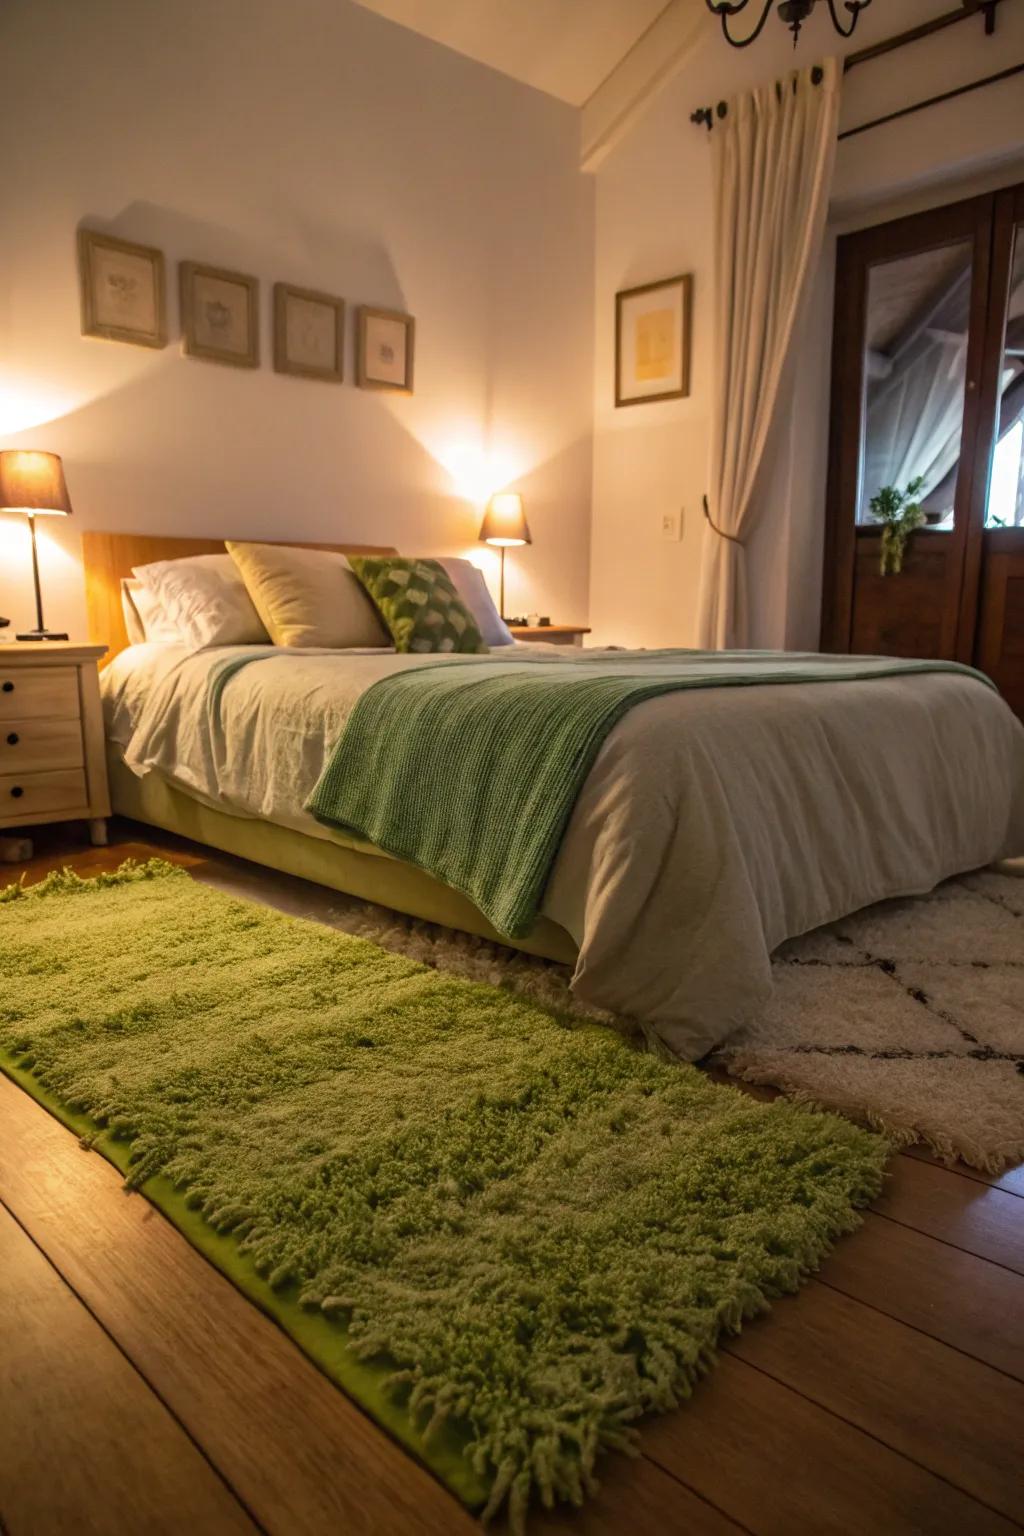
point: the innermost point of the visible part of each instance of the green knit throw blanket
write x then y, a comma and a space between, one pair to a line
470, 769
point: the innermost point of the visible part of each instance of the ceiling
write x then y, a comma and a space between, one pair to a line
564, 47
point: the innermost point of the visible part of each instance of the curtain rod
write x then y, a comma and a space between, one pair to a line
932, 101
969, 8
705, 114
986, 8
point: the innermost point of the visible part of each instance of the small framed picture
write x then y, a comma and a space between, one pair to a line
652, 341
384, 349
309, 333
220, 315
122, 289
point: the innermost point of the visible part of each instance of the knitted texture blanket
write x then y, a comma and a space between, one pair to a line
470, 768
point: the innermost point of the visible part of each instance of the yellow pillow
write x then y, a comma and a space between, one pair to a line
308, 597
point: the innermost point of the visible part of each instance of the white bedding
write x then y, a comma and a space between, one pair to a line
714, 824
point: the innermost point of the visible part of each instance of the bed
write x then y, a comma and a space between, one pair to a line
712, 826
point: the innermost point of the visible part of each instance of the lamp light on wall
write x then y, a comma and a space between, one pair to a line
505, 526
33, 483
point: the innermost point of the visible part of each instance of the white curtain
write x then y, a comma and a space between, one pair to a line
773, 156
913, 422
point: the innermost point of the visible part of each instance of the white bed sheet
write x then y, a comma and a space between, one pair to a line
714, 824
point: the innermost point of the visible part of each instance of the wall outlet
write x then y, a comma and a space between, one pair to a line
672, 525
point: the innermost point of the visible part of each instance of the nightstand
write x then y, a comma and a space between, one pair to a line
554, 634
52, 762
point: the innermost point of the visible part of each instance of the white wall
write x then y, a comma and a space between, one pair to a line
314, 143
654, 220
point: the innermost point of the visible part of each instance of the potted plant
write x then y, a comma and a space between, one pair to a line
899, 514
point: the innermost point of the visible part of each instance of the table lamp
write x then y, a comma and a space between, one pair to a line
33, 483
505, 526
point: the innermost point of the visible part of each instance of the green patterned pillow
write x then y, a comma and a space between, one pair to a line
418, 603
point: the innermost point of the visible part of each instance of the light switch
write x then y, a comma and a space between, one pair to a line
672, 525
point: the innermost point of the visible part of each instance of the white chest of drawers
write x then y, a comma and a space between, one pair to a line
52, 765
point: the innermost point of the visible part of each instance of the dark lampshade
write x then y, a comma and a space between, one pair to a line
504, 521
33, 482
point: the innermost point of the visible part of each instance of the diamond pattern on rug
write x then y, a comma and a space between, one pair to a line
943, 928
909, 1016
986, 1002
865, 1009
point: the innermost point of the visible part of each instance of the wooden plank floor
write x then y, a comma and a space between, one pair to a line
139, 1392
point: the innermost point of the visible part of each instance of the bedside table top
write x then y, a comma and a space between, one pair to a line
541, 631
50, 651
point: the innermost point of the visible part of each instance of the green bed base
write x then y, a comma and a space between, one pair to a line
334, 860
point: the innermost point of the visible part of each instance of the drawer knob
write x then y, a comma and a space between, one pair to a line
17, 792
8, 687
13, 738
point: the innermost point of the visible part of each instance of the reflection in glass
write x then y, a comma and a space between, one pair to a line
1005, 508
915, 366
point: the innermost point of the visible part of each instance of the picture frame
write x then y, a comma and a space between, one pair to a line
652, 341
122, 289
385, 344
220, 317
309, 333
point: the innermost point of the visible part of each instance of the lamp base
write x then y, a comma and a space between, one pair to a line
41, 634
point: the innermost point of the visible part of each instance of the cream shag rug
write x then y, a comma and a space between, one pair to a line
908, 1016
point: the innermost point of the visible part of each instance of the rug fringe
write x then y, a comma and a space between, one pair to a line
949, 1149
64, 882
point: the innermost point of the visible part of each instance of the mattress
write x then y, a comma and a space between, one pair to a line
713, 825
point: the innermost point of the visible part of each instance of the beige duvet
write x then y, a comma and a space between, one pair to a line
713, 825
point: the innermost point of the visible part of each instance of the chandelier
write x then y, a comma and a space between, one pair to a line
793, 12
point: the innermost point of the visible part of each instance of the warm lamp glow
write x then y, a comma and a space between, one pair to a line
26, 405
467, 468
504, 521
475, 464
33, 482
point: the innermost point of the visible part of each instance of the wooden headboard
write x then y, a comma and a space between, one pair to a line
109, 557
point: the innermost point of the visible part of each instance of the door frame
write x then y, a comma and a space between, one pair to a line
1008, 216
971, 219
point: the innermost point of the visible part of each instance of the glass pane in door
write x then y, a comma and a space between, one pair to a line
915, 368
1005, 505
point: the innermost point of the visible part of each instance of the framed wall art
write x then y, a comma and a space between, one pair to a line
122, 290
652, 341
384, 349
309, 333
219, 315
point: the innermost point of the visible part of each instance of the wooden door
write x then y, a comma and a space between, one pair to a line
1000, 650
995, 557
908, 353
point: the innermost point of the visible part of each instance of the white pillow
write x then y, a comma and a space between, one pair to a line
133, 625
144, 619
468, 581
204, 598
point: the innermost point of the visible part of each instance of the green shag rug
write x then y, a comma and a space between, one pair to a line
506, 1234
